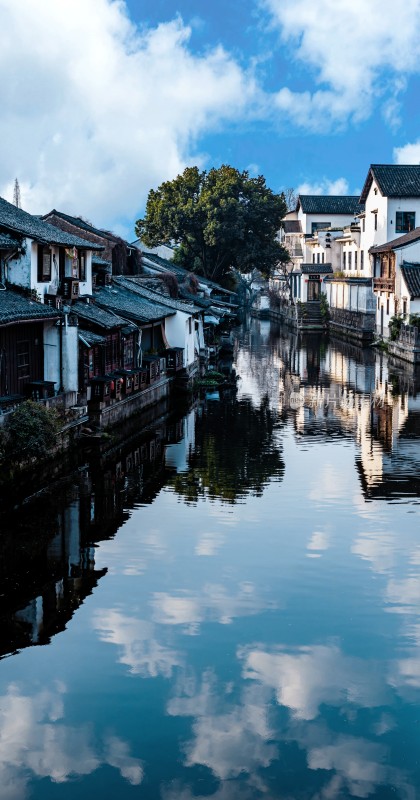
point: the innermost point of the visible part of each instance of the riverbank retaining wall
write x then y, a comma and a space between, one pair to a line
407, 345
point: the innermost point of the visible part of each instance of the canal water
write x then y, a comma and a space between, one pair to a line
227, 605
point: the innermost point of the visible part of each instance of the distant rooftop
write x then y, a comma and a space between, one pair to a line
317, 269
135, 285
90, 312
80, 223
130, 305
394, 180
18, 221
167, 265
329, 204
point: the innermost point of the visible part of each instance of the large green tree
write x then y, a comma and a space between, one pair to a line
220, 220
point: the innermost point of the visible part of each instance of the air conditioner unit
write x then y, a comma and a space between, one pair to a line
71, 288
53, 300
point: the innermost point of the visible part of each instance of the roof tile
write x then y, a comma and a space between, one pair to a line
14, 307
411, 275
19, 221
330, 204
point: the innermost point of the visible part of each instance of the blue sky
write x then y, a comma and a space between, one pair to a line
104, 99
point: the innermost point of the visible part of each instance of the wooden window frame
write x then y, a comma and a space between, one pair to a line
44, 263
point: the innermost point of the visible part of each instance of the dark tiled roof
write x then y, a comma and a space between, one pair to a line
201, 302
100, 262
395, 244
167, 265
7, 242
97, 315
15, 307
81, 223
90, 338
411, 275
130, 305
394, 180
329, 204
134, 285
19, 221
316, 269
292, 226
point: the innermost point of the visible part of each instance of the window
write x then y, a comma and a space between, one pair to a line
128, 352
23, 359
318, 258
111, 352
355, 260
350, 259
344, 259
313, 258
363, 224
387, 306
82, 265
404, 308
405, 221
44, 263
323, 258
378, 301
316, 226
362, 259
375, 220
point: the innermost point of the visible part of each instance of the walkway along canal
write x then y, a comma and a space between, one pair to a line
226, 605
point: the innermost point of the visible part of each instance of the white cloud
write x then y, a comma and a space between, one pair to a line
228, 738
408, 153
325, 186
319, 541
214, 602
35, 741
356, 762
135, 638
95, 112
376, 547
357, 52
306, 679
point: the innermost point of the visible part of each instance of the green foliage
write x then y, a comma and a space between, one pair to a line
415, 320
395, 324
31, 431
324, 307
220, 220
211, 378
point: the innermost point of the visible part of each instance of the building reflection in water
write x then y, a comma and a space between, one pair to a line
47, 564
333, 389
261, 685
219, 450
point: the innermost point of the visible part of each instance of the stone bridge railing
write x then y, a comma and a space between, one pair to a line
409, 336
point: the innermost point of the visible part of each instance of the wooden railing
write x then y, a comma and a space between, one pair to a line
384, 284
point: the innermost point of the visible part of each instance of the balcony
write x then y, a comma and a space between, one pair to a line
384, 284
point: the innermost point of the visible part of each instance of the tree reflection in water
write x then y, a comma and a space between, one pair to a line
236, 452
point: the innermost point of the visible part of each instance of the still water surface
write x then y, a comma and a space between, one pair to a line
228, 606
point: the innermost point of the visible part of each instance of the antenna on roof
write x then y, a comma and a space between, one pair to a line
16, 194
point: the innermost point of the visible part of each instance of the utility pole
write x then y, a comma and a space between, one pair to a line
16, 194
